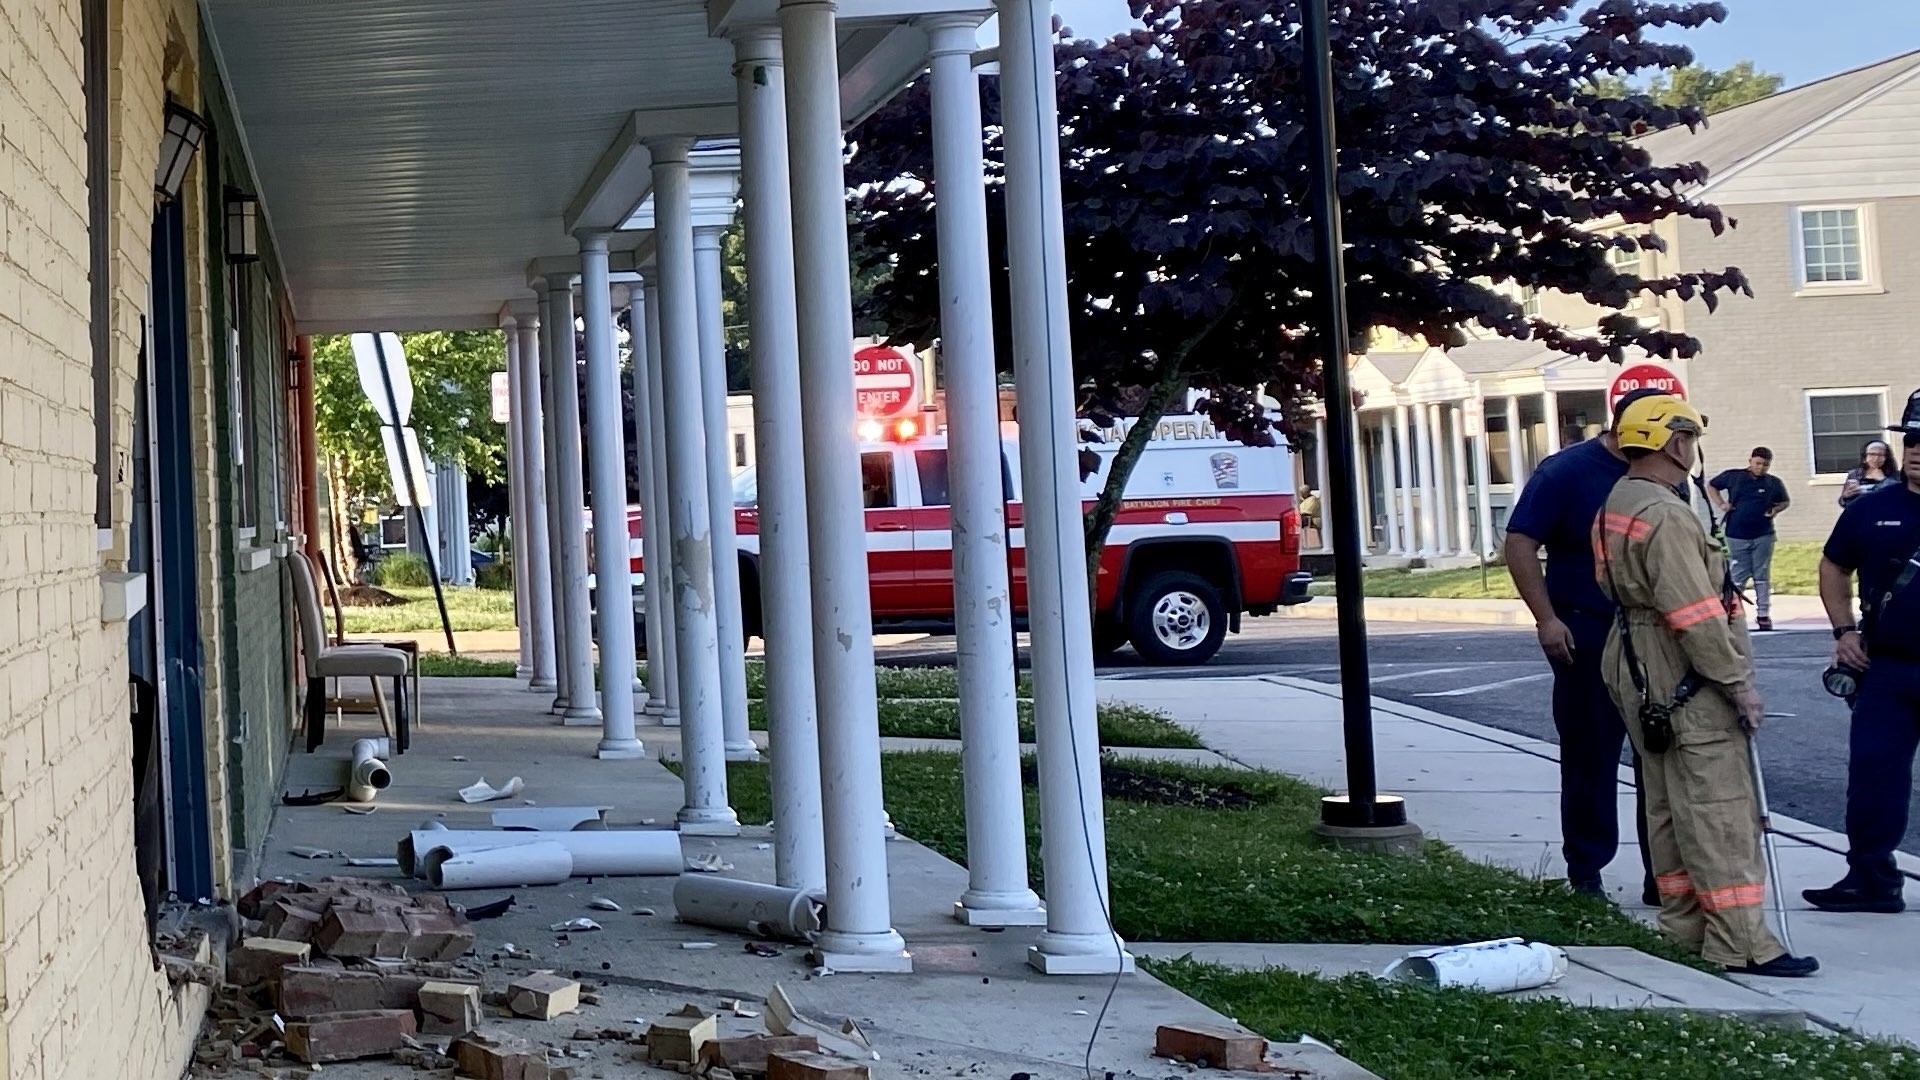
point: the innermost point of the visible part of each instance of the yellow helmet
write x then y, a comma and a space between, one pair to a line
1647, 424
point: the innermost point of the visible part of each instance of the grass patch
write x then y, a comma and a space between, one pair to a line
1796, 572
1189, 873
467, 609
1120, 725
1413, 1033
437, 665
892, 682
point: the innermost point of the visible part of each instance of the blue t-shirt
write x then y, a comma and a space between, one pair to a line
1876, 535
1749, 497
1557, 509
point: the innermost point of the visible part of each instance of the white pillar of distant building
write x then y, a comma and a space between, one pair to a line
651, 499
773, 356
516, 507
1550, 405
1423, 463
1362, 505
702, 738
1516, 447
1460, 503
576, 651
997, 887
859, 934
668, 660
1403, 482
1483, 468
533, 534
1439, 484
550, 435
612, 558
1079, 938
1320, 485
729, 618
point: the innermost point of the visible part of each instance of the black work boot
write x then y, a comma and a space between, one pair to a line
1650, 894
1848, 897
1588, 886
1783, 966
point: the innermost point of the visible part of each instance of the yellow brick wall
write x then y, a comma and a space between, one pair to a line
78, 994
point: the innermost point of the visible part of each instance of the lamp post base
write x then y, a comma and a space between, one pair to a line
1345, 824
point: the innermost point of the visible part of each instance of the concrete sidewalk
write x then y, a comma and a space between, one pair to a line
1789, 612
1495, 797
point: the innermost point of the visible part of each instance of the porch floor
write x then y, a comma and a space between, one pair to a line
972, 1007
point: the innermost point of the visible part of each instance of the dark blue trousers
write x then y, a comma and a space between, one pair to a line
1886, 731
1591, 737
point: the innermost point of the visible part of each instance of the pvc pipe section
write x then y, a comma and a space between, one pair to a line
1498, 967
626, 853
748, 907
369, 775
502, 867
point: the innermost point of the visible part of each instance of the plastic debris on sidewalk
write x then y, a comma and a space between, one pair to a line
1501, 966
310, 852
710, 863
847, 1040
601, 903
374, 860
490, 911
692, 946
574, 926
360, 811
485, 792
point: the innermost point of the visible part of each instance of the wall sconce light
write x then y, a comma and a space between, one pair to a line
243, 227
180, 140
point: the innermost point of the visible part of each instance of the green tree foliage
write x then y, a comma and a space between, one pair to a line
452, 408
1703, 88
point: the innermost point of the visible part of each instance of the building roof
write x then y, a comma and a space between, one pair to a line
1744, 133
1396, 366
1491, 356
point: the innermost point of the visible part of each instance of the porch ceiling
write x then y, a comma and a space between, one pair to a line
413, 155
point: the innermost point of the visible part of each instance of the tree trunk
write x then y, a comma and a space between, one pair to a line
1107, 505
337, 500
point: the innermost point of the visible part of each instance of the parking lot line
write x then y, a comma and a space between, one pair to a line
1465, 690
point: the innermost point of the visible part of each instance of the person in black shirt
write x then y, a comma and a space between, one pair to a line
1878, 538
1749, 499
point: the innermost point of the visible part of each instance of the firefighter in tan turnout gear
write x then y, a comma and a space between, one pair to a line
1680, 669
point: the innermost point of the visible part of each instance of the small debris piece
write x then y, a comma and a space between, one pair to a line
360, 811
710, 863
806, 1065
543, 996
449, 1008
763, 847
848, 1040
495, 1055
574, 926
490, 911
426, 1059
1218, 1046
601, 903
182, 970
372, 860
351, 1035
692, 946
484, 792
259, 960
761, 948
645, 911
681, 1036
458, 757
310, 852
748, 1056
309, 797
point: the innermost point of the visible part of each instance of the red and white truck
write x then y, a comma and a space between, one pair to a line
1208, 532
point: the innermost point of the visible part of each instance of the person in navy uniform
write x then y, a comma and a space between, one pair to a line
1878, 539
1749, 499
1572, 614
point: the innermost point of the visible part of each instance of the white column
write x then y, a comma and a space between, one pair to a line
1078, 938
773, 354
549, 434
1550, 405
1462, 513
1516, 446
729, 618
534, 535
612, 559
576, 643
1483, 480
1403, 482
516, 508
650, 500
1423, 462
859, 934
1439, 485
1362, 506
661, 571
702, 742
1320, 482
997, 888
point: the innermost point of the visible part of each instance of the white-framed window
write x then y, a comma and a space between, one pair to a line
1840, 422
1624, 261
1530, 301
1833, 249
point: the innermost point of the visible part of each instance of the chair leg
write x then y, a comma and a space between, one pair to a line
380, 706
401, 711
316, 712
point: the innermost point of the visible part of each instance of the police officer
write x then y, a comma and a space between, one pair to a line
1679, 667
1878, 538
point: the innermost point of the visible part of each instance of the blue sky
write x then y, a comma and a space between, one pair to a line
1778, 35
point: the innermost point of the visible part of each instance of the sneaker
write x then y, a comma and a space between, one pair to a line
1650, 895
1765, 623
1588, 887
1780, 967
1848, 898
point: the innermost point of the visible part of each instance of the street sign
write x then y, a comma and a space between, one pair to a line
1473, 418
886, 382
368, 357
414, 462
502, 410
1644, 376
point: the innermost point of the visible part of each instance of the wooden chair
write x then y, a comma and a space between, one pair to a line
329, 661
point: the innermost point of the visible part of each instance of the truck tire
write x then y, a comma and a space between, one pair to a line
1176, 618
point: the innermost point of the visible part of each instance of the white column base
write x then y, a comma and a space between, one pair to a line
655, 708
884, 953
584, 717
639, 691
1000, 911
523, 671
743, 752
543, 685
559, 705
621, 750
670, 718
1080, 954
719, 822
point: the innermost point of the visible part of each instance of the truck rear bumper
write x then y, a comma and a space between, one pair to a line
1294, 591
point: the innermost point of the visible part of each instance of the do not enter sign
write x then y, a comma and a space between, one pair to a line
1644, 377
886, 382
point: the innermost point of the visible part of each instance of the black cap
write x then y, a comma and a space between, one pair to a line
1910, 422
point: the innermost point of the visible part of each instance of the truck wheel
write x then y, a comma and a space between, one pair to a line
1108, 637
1176, 618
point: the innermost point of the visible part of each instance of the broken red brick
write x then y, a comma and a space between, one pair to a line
255, 901
436, 935
747, 1056
257, 960
360, 930
809, 1065
312, 990
1211, 1046
288, 920
543, 996
449, 1008
347, 1036
495, 1055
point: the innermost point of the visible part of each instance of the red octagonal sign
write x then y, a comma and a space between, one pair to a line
886, 382
1644, 377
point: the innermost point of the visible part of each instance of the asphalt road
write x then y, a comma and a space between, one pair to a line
1497, 677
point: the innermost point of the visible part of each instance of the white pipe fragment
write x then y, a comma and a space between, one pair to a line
369, 775
771, 911
1499, 967
481, 791
497, 868
551, 818
612, 853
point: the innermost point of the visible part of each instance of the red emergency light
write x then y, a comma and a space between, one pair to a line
899, 431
